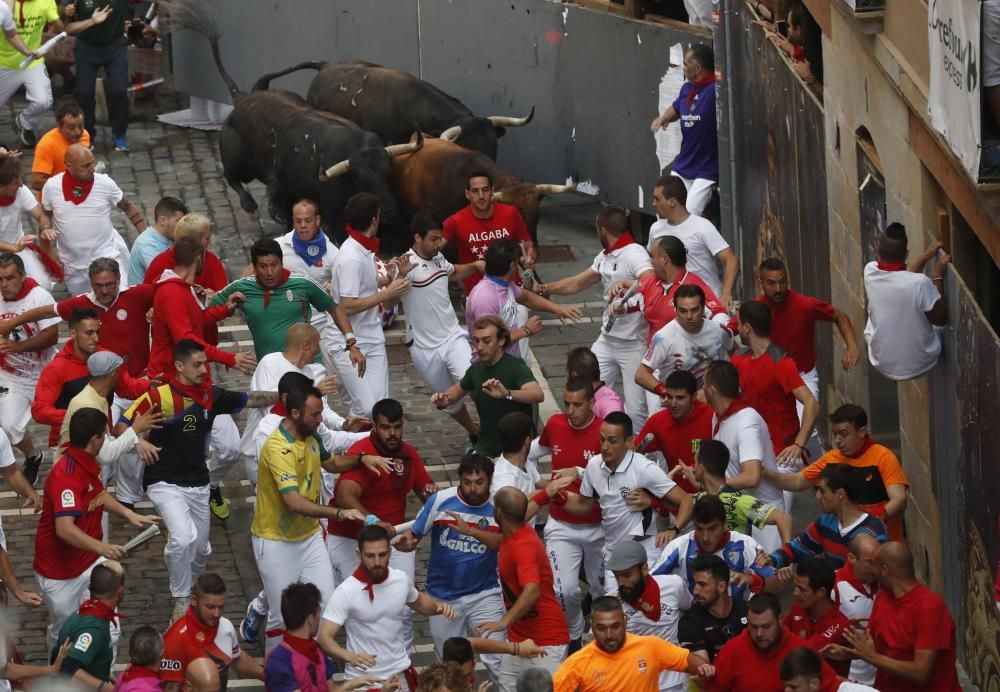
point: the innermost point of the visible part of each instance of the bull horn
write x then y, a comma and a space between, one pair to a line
394, 150
335, 170
547, 189
452, 133
506, 121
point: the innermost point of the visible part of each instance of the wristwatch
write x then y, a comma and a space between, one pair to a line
509, 396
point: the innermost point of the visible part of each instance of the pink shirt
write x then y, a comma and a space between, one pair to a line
606, 401
494, 296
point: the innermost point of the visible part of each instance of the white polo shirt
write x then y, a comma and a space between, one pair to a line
702, 241
321, 273
374, 625
625, 263
85, 230
430, 318
25, 368
674, 348
745, 434
354, 276
506, 475
610, 488
902, 343
674, 599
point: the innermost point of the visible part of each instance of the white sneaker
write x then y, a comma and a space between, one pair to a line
181, 606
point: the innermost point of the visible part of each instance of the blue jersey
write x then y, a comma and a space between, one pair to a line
739, 553
459, 565
699, 154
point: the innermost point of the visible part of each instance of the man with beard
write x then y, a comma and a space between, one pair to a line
462, 568
369, 606
652, 605
716, 617
288, 543
618, 660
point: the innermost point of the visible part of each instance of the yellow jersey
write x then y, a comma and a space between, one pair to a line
287, 464
635, 667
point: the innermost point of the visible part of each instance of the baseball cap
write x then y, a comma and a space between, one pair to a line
628, 554
103, 363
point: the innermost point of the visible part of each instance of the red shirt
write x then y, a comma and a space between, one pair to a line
917, 620
124, 328
742, 667
213, 277
572, 447
678, 440
523, 561
382, 495
177, 316
793, 326
73, 488
188, 639
829, 629
472, 235
766, 384
658, 300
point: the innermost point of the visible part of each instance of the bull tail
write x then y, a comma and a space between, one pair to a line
191, 15
264, 83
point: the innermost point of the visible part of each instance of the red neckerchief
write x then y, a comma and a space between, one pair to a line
29, 284
623, 240
847, 574
87, 460
196, 627
696, 87
735, 406
891, 266
362, 576
402, 453
722, 543
20, 14
73, 190
200, 394
370, 244
279, 409
865, 446
307, 647
267, 291
7, 201
99, 609
649, 600
51, 265
134, 672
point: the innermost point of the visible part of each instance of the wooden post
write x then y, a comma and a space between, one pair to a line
634, 8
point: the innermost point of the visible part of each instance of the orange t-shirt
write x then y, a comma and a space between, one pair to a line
878, 468
635, 667
50, 152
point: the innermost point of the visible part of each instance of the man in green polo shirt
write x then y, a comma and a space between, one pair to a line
93, 631
498, 383
275, 299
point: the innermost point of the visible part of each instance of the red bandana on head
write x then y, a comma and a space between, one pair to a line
649, 600
891, 266
362, 576
370, 244
623, 240
267, 291
75, 191
100, 609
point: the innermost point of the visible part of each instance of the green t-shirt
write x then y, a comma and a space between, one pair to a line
742, 511
109, 31
513, 373
91, 647
269, 314
36, 14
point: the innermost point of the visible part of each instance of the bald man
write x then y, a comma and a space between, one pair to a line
854, 592
80, 203
202, 675
911, 635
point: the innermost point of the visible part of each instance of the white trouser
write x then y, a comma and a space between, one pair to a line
328, 336
344, 558
811, 380
471, 611
186, 515
442, 367
365, 391
63, 597
129, 468
512, 666
223, 447
77, 279
768, 537
619, 359
699, 193
652, 555
281, 563
569, 546
34, 268
16, 395
37, 89
520, 317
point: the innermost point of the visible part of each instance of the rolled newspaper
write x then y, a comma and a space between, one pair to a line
528, 276
646, 441
146, 535
43, 49
632, 290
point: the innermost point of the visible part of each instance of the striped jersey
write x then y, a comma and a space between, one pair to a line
738, 550
459, 565
827, 538
430, 317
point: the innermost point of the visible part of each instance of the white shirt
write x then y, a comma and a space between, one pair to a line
610, 488
625, 263
902, 343
700, 12
745, 434
25, 368
355, 277
702, 241
6, 459
506, 475
11, 229
674, 598
430, 317
321, 273
856, 603
85, 230
674, 348
373, 625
